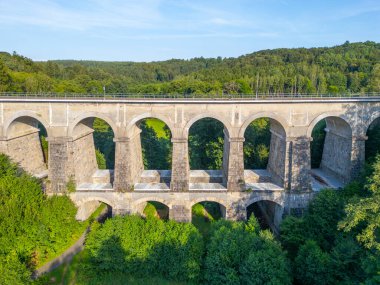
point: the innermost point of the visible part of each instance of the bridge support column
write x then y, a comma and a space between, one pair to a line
61, 165
277, 155
84, 158
233, 163
180, 213
236, 212
297, 172
338, 146
128, 165
180, 165
357, 155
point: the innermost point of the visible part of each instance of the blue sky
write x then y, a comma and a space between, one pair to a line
150, 30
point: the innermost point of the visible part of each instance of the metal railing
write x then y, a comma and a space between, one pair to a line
185, 97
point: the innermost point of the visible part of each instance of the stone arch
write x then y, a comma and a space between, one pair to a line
374, 116
273, 167
266, 197
83, 201
223, 207
147, 115
140, 204
279, 119
81, 133
335, 159
23, 142
194, 119
208, 199
26, 114
88, 115
152, 198
88, 205
268, 212
322, 116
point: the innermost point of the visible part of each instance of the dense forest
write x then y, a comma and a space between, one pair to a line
351, 67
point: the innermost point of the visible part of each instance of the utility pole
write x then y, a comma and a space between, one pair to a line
257, 83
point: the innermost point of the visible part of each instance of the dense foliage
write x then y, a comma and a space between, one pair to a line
239, 253
32, 226
351, 67
336, 241
132, 245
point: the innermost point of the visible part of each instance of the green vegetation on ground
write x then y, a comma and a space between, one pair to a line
33, 228
203, 215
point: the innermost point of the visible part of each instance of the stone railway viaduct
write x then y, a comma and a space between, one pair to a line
288, 182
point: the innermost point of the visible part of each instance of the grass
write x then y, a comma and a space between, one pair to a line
158, 126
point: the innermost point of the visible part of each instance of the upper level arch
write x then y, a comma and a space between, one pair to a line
26, 118
374, 115
194, 119
147, 115
86, 119
322, 116
277, 118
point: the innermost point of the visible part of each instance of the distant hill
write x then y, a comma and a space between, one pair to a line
351, 67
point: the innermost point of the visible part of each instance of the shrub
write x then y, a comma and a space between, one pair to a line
239, 253
133, 245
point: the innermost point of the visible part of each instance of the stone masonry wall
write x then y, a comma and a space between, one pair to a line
299, 164
26, 150
61, 167
180, 166
336, 157
276, 162
84, 158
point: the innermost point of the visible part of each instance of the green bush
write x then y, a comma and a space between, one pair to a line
239, 253
33, 227
133, 245
313, 266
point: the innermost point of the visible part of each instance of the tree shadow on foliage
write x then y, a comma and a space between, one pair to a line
172, 258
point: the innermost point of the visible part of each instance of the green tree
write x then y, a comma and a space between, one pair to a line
363, 214
312, 265
100, 159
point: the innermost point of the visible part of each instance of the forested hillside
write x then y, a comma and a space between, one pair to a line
351, 67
